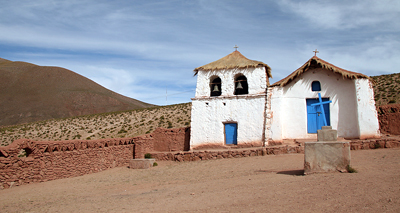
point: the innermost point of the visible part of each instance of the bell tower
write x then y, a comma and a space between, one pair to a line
229, 105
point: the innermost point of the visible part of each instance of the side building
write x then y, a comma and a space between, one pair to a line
351, 112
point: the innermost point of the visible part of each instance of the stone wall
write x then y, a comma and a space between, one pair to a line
26, 161
389, 119
384, 142
163, 140
167, 140
219, 154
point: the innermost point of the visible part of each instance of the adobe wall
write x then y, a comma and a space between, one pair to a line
50, 160
167, 140
389, 119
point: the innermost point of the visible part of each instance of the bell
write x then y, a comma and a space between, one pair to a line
239, 86
216, 88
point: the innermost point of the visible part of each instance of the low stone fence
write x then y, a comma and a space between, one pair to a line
25, 161
384, 142
219, 154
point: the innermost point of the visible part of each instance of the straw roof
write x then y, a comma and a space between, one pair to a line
232, 61
316, 62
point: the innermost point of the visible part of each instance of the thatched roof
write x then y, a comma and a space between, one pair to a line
232, 61
316, 62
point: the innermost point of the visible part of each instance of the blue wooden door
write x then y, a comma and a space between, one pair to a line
231, 133
314, 115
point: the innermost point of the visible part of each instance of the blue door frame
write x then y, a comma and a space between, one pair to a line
314, 115
231, 133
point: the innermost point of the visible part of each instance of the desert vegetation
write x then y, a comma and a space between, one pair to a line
386, 89
106, 125
143, 121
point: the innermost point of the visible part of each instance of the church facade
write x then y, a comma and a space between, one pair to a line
235, 104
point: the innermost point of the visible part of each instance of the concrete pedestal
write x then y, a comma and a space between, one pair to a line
326, 156
141, 163
327, 134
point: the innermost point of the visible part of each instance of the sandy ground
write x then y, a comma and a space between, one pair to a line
254, 184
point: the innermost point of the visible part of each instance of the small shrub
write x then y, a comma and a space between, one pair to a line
147, 155
155, 164
377, 146
351, 169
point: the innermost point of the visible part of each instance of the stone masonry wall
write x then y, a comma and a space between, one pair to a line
384, 142
167, 140
50, 160
25, 161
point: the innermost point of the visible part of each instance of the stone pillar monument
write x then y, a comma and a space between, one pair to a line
327, 154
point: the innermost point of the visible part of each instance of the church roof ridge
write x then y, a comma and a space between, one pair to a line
232, 61
315, 61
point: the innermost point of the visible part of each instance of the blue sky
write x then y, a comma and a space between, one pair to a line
140, 49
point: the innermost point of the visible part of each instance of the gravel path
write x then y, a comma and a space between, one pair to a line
253, 184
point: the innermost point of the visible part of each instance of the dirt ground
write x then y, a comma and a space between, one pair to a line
253, 184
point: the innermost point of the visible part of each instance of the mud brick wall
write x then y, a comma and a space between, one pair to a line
26, 161
169, 140
389, 118
162, 140
50, 160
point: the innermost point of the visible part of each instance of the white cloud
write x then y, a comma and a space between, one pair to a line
345, 14
138, 48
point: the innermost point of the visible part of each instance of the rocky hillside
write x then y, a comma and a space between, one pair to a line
30, 93
142, 121
387, 89
107, 125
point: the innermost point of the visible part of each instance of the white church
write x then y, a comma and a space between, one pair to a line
235, 105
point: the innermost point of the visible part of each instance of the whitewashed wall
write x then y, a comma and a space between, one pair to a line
210, 113
367, 115
289, 109
256, 79
208, 117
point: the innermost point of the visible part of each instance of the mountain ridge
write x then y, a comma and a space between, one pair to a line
30, 93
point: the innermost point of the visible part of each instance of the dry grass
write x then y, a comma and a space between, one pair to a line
107, 125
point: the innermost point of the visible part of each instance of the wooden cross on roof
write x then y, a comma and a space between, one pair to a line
321, 104
315, 51
235, 47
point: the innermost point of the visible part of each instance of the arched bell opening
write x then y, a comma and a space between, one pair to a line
215, 86
241, 86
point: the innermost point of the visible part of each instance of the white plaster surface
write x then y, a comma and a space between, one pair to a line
207, 126
281, 113
367, 115
289, 109
210, 113
256, 80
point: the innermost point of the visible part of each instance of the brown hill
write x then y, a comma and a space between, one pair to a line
31, 93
